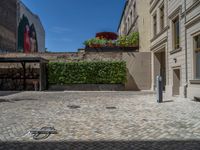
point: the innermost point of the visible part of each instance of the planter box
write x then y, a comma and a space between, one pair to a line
112, 49
88, 87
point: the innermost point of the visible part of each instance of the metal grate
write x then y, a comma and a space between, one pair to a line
112, 107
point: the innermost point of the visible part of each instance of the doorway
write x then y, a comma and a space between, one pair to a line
176, 82
160, 66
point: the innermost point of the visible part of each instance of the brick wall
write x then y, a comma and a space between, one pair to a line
35, 20
138, 64
8, 24
70, 57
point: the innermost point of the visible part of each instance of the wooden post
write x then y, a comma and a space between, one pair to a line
24, 75
40, 82
43, 80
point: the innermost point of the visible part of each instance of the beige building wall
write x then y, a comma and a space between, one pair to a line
192, 29
189, 86
177, 63
136, 18
176, 56
138, 70
159, 39
143, 24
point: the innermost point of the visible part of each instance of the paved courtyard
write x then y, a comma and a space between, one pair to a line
98, 120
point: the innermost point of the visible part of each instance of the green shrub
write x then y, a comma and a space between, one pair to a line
131, 40
128, 41
103, 72
98, 42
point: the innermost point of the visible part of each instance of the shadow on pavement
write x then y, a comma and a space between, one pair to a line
5, 100
168, 101
102, 145
6, 93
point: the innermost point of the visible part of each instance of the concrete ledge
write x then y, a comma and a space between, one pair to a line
193, 91
87, 87
195, 81
175, 51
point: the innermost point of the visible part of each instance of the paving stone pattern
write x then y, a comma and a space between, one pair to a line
99, 121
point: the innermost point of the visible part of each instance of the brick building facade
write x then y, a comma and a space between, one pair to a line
28, 18
8, 25
17, 25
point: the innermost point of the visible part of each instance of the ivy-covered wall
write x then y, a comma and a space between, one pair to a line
102, 72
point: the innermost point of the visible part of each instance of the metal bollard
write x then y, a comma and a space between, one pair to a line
159, 89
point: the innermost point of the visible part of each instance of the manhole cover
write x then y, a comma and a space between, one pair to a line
73, 106
111, 107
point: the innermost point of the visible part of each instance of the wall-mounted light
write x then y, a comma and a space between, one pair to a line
175, 60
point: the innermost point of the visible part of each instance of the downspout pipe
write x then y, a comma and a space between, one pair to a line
186, 56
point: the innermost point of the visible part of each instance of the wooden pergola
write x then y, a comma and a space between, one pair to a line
24, 60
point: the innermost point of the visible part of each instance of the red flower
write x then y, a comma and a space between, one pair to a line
107, 35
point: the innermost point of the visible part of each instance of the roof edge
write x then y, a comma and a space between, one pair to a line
122, 15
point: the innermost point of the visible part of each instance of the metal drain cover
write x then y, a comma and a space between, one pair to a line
43, 133
74, 106
111, 107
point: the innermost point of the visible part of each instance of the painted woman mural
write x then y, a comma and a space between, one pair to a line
27, 44
33, 39
27, 39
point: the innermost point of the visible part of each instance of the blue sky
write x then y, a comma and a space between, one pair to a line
68, 23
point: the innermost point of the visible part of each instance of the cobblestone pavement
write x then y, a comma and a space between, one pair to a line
104, 121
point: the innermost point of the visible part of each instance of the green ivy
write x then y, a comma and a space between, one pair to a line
103, 72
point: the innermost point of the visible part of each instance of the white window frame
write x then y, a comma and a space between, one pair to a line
194, 55
155, 30
173, 33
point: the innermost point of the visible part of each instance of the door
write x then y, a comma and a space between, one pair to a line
176, 82
159, 67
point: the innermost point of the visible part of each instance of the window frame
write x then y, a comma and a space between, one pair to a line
128, 24
175, 33
134, 11
155, 24
195, 51
131, 16
162, 17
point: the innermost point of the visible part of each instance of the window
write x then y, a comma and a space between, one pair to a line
155, 25
162, 18
128, 24
126, 27
197, 55
131, 16
134, 11
176, 33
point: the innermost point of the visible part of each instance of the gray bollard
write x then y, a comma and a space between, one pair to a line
159, 89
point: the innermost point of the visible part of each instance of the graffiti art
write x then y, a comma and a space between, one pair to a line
27, 38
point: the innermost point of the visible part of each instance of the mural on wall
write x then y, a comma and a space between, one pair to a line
27, 38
